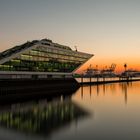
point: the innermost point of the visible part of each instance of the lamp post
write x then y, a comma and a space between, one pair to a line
125, 67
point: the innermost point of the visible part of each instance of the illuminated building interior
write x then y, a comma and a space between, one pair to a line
42, 56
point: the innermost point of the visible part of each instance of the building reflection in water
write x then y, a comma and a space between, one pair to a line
104, 88
41, 117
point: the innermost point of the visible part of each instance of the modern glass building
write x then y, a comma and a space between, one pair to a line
40, 59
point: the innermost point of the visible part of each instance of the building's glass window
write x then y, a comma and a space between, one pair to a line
43, 59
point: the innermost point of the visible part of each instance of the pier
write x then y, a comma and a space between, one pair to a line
105, 80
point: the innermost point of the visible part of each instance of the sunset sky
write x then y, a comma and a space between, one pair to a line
109, 29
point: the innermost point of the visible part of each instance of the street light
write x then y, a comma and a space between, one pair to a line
125, 66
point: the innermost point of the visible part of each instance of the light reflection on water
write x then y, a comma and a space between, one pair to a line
40, 118
108, 111
116, 110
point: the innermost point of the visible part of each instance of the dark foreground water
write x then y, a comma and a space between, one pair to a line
103, 112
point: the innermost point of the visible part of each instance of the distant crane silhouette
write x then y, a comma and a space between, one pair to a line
90, 71
110, 69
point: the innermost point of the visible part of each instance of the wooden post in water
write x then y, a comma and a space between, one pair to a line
119, 78
103, 79
82, 78
90, 90
82, 91
90, 79
97, 79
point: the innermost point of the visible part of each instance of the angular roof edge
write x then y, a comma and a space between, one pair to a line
16, 49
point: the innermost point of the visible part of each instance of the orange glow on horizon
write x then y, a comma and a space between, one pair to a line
104, 64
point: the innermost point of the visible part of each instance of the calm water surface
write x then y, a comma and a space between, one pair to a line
110, 111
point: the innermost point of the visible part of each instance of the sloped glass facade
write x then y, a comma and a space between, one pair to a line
46, 59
